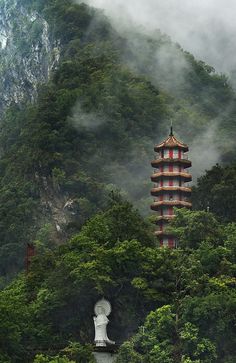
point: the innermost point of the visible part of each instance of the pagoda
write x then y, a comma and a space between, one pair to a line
170, 189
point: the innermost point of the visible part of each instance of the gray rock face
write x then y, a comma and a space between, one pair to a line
27, 52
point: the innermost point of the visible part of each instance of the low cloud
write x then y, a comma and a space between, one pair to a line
162, 61
204, 152
82, 120
204, 28
200, 28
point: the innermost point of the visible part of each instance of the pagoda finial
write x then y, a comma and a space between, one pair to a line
171, 129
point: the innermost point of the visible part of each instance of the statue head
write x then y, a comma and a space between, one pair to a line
103, 307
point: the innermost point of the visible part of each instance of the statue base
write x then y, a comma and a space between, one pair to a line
105, 354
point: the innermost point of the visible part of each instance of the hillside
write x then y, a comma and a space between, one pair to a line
93, 125
169, 306
82, 112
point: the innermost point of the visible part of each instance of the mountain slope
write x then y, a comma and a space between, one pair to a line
188, 294
94, 123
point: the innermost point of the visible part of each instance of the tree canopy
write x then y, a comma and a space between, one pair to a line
178, 305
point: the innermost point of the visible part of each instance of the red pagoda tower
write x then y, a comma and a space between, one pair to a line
170, 189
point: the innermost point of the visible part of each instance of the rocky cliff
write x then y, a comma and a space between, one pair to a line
27, 52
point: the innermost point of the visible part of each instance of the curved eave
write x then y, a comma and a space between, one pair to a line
160, 190
163, 161
186, 176
170, 203
170, 143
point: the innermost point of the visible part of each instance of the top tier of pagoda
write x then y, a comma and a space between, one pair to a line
170, 189
171, 142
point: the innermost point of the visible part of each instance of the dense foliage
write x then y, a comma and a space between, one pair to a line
188, 294
215, 191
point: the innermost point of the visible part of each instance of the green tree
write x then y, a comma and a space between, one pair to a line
215, 190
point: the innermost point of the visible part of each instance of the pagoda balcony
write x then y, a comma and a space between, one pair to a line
161, 161
157, 175
170, 203
159, 190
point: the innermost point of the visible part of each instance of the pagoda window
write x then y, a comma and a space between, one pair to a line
175, 153
174, 182
171, 242
165, 211
165, 242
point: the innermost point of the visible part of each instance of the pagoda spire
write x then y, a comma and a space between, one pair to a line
171, 129
170, 190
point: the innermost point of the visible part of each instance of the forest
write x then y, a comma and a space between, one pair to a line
75, 182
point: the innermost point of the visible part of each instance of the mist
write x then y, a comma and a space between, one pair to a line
200, 28
131, 176
206, 28
203, 151
85, 121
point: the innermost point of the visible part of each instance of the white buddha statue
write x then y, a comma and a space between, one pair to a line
102, 310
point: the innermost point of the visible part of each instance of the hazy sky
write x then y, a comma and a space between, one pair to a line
206, 28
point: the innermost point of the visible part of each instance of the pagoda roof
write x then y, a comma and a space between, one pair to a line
171, 142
